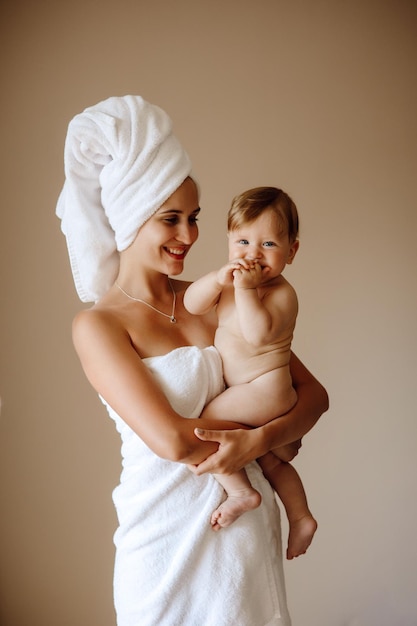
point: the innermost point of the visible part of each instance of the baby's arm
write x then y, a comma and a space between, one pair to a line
263, 319
203, 294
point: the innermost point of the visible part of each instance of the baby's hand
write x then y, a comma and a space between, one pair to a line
249, 276
226, 273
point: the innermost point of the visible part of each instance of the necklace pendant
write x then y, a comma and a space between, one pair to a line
173, 320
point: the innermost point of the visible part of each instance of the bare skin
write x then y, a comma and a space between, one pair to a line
238, 448
256, 309
302, 525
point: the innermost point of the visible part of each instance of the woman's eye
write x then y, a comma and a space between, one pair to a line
172, 221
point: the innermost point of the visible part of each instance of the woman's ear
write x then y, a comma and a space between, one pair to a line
293, 251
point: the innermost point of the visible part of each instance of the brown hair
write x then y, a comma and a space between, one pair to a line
247, 206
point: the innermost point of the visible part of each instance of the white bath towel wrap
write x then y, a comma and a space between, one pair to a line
171, 568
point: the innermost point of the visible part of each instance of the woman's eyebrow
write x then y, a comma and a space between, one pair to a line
179, 211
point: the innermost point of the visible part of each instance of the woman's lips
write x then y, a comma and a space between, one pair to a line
177, 253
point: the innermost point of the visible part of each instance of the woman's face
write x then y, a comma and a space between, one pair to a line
164, 240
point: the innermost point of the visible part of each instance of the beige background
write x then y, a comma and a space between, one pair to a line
318, 97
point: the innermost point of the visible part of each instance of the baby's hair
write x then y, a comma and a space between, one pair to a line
249, 205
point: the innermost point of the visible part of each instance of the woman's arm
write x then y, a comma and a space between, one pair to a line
118, 374
239, 447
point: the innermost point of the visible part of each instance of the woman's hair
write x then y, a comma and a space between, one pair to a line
249, 205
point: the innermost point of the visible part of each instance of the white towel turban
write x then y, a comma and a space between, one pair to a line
122, 162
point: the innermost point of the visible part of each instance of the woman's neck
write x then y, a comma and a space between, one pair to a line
142, 282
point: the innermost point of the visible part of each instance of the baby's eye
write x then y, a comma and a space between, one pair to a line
243, 242
269, 244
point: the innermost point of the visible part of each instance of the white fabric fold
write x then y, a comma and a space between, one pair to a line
122, 162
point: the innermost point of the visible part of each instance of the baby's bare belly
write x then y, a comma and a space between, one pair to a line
242, 363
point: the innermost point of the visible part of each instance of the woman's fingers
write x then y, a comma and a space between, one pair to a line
230, 455
209, 435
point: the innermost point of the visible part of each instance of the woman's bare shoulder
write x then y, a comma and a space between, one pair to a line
99, 320
97, 313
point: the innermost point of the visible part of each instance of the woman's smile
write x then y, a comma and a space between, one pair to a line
177, 253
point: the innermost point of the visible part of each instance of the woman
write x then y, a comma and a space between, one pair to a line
129, 211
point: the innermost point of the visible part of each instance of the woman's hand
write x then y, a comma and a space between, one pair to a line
236, 449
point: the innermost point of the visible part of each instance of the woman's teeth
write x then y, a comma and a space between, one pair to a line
176, 251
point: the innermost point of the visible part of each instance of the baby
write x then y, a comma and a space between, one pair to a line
256, 309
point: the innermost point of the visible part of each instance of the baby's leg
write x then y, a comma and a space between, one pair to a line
241, 497
248, 403
254, 403
287, 483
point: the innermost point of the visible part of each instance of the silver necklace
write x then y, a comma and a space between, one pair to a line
171, 317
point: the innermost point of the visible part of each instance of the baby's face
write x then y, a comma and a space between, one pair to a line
264, 242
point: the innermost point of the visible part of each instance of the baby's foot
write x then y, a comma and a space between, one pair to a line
301, 534
237, 502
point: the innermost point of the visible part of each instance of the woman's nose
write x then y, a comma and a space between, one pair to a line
186, 233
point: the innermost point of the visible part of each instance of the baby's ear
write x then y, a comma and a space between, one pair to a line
293, 251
